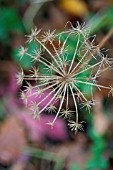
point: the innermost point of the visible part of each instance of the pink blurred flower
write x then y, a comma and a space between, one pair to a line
38, 129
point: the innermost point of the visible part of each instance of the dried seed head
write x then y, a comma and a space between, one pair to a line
69, 70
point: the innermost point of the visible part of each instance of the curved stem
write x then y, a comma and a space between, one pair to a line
61, 103
96, 85
74, 54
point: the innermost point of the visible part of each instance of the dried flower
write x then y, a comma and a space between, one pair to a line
65, 77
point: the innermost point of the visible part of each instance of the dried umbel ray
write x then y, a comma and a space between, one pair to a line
65, 75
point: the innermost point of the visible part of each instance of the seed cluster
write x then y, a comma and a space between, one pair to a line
64, 76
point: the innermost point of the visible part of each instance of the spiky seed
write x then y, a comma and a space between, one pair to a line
22, 52
74, 126
88, 104
33, 35
51, 108
20, 77
66, 113
48, 36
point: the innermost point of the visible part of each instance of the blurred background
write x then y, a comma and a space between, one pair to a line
27, 143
